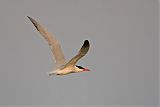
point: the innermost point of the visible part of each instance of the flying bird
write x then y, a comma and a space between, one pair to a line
62, 67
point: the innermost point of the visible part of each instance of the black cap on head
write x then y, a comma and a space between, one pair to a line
80, 67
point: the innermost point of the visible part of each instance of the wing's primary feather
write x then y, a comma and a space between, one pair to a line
52, 41
82, 52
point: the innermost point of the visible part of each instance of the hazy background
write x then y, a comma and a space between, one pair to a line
123, 57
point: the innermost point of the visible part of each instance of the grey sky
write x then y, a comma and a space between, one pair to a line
123, 57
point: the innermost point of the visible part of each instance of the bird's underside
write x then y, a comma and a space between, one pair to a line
62, 68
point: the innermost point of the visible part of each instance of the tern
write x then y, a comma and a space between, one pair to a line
62, 68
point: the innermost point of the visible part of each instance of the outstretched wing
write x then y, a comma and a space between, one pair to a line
82, 52
52, 41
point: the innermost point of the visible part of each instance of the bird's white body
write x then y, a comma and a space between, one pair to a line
65, 71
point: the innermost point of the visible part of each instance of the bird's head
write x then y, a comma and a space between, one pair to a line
81, 69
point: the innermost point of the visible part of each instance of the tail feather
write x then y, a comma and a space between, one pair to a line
51, 73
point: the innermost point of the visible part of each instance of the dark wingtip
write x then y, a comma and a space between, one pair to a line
86, 43
34, 22
29, 18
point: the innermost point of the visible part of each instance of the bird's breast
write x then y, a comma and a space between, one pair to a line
65, 71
